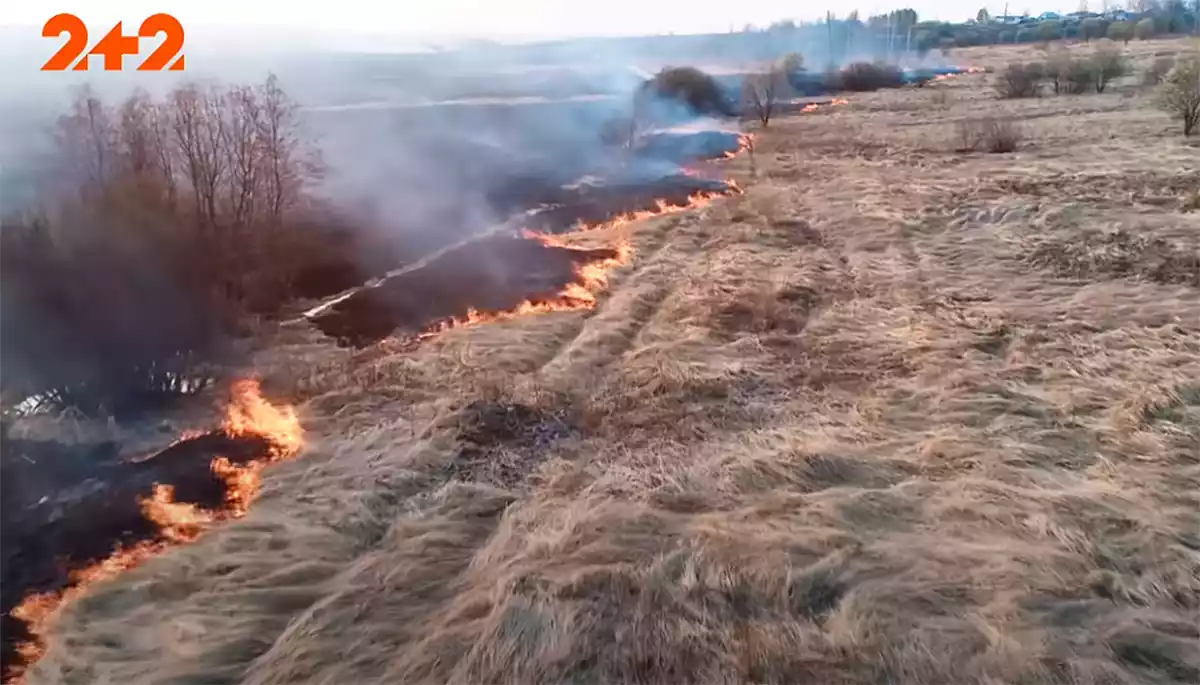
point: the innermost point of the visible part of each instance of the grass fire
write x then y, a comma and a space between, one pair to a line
851, 352
175, 500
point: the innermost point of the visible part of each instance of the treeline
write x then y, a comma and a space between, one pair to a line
167, 224
899, 31
1173, 17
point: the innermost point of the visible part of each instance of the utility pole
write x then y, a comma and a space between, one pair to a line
889, 36
829, 33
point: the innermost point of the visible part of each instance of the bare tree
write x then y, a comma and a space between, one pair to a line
762, 90
291, 165
85, 138
244, 151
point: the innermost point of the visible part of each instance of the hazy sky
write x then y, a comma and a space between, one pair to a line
487, 18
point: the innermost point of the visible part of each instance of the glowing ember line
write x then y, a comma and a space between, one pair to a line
249, 414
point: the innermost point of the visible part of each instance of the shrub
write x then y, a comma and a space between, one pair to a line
1179, 94
1092, 28
690, 86
993, 135
1050, 30
1077, 78
1107, 63
1036, 70
1000, 135
1157, 71
966, 136
1144, 30
1018, 81
1121, 30
867, 76
1026, 35
792, 62
1058, 66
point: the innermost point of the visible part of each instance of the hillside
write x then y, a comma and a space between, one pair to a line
896, 414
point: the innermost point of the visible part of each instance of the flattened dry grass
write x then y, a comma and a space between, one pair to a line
859, 425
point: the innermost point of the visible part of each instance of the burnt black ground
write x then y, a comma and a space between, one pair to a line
493, 274
67, 507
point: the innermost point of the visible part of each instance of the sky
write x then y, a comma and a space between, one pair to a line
498, 19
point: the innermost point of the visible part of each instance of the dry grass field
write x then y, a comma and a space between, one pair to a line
897, 414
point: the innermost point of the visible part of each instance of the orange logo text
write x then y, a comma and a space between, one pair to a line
115, 45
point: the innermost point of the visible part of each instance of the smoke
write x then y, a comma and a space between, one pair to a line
424, 149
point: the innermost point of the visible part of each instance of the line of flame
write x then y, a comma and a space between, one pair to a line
248, 414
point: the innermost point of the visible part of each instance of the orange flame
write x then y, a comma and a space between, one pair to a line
248, 414
590, 279
581, 293
661, 208
815, 106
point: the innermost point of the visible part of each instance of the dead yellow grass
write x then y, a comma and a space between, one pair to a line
879, 420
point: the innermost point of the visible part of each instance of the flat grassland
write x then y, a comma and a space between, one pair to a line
897, 414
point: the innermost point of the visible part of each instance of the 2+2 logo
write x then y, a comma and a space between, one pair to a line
114, 45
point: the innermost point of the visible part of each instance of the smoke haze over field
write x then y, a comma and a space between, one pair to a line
518, 20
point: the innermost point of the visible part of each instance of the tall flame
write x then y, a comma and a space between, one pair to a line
249, 414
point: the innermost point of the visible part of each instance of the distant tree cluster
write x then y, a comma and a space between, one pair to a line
1065, 73
169, 221
1154, 17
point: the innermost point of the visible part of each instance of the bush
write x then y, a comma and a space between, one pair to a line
1077, 77
1157, 71
867, 76
1026, 35
1144, 30
1050, 30
996, 136
1093, 28
1018, 81
1179, 94
1121, 30
967, 136
1107, 63
690, 86
1000, 135
1036, 70
1058, 65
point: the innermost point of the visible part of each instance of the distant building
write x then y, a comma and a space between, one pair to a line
1010, 19
1049, 16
